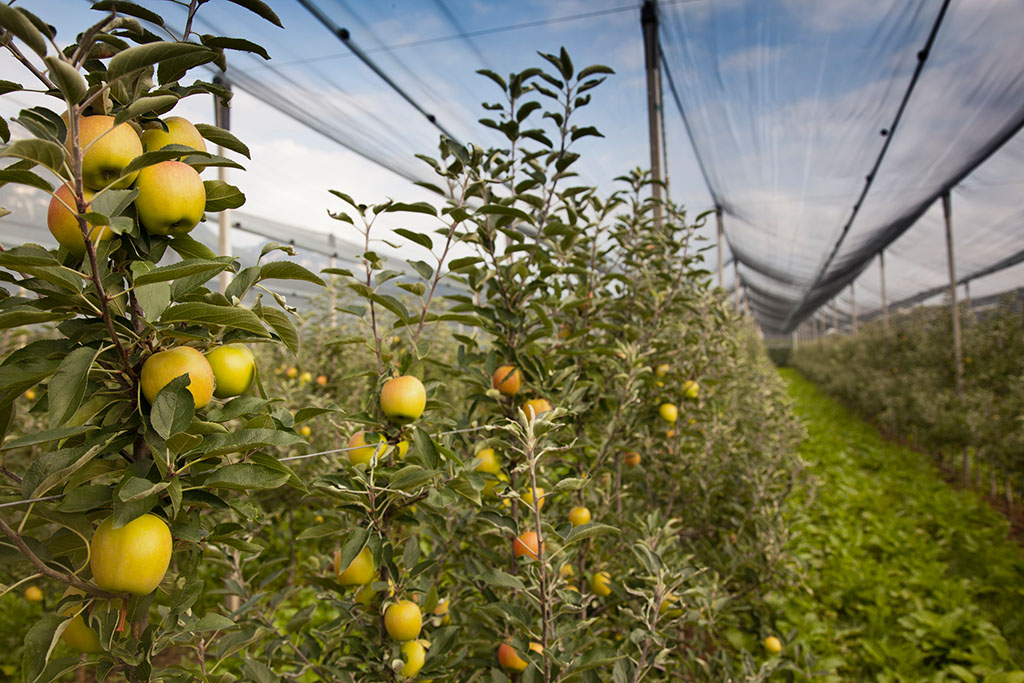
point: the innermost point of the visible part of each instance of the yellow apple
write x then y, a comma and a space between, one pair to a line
78, 634
632, 459
33, 594
413, 655
292, 372
535, 407
180, 131
305, 431
662, 370
107, 150
360, 571
234, 369
63, 223
163, 366
600, 584
579, 516
363, 445
403, 398
132, 559
509, 659
403, 620
306, 378
691, 389
487, 462
528, 497
321, 380
773, 645
668, 412
171, 198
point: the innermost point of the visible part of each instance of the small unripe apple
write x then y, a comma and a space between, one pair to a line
668, 412
171, 198
507, 379
487, 462
413, 655
773, 645
360, 571
234, 369
600, 584
180, 131
579, 516
535, 407
403, 398
305, 431
63, 223
163, 366
403, 620
526, 544
662, 370
132, 559
509, 659
107, 150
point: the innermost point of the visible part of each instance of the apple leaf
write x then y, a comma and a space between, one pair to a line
129, 8
72, 376
416, 207
46, 153
211, 314
283, 326
220, 195
142, 56
502, 210
224, 43
185, 268
245, 440
417, 237
40, 639
189, 247
67, 79
288, 270
47, 436
145, 105
223, 138
22, 28
24, 178
173, 408
246, 476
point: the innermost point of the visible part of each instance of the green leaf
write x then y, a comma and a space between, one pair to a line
245, 476
496, 577
455, 265
212, 622
283, 326
136, 489
185, 268
223, 43
142, 56
288, 270
223, 138
220, 195
20, 316
259, 8
417, 237
174, 407
245, 440
43, 152
51, 468
85, 498
189, 247
502, 210
42, 637
47, 436
131, 9
416, 207
22, 28
211, 314
426, 448
70, 381
579, 533
145, 105
594, 69
305, 414
67, 79
10, 86
354, 544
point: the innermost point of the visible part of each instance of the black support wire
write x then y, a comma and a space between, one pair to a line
343, 35
922, 58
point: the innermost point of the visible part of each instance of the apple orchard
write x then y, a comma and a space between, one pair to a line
569, 469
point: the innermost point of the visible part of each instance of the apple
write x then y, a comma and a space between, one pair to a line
579, 516
403, 398
77, 634
63, 223
632, 459
306, 377
526, 544
528, 497
291, 373
163, 366
305, 431
487, 461
773, 645
600, 584
489, 485
132, 559
180, 131
171, 198
413, 655
321, 380
234, 369
669, 606
507, 379
535, 407
509, 659
360, 571
403, 620
662, 370
107, 150
691, 389
363, 445
33, 594
668, 412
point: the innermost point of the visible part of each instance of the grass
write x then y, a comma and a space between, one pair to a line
903, 577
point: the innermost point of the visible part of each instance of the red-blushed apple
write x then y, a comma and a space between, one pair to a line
63, 223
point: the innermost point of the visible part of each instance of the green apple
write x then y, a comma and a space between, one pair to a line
180, 131
63, 223
171, 198
234, 368
107, 150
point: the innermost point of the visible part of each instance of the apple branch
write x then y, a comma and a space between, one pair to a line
69, 579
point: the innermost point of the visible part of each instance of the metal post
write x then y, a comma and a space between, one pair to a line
958, 351
649, 23
222, 118
853, 310
885, 304
721, 231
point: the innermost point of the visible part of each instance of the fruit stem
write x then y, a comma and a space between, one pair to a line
124, 615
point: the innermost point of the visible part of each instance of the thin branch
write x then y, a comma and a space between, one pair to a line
69, 579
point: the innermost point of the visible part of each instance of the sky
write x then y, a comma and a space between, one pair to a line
786, 99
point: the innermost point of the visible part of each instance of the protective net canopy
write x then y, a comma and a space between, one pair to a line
828, 131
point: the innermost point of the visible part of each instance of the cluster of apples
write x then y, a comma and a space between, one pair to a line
171, 195
669, 412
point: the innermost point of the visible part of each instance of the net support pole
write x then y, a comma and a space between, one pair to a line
222, 118
649, 24
958, 349
853, 310
885, 303
721, 231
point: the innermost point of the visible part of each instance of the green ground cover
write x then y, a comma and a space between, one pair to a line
903, 577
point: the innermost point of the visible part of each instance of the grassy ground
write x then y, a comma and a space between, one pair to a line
904, 578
